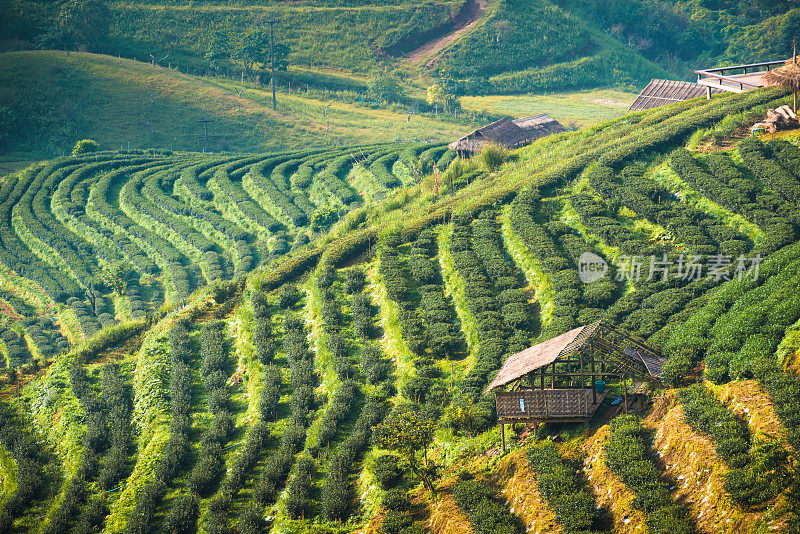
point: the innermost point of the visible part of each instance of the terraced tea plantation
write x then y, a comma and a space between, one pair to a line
252, 365
91, 241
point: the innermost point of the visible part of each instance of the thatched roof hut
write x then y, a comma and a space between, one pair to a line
786, 76
508, 133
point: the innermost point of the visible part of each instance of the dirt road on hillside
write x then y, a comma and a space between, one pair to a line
437, 44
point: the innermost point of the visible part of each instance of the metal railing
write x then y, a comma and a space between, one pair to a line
719, 73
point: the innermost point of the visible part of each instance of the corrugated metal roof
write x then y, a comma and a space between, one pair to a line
653, 364
662, 92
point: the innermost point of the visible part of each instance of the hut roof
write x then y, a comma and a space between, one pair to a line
787, 75
653, 364
609, 340
542, 124
532, 358
663, 92
510, 134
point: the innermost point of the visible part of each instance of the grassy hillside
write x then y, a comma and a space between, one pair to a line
513, 46
258, 402
580, 108
58, 99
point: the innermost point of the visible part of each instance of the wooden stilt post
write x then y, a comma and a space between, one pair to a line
503, 435
625, 392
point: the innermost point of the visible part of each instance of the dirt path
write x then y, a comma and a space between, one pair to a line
475, 10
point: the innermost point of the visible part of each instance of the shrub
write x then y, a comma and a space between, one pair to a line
322, 218
373, 365
478, 501
761, 480
397, 499
629, 456
396, 522
85, 146
354, 281
705, 413
298, 491
182, 518
492, 156
574, 506
288, 296
387, 471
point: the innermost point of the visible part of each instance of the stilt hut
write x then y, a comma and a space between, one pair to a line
562, 380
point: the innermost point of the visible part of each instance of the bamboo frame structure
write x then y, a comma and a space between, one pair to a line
556, 381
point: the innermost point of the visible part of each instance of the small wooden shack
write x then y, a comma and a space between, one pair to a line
557, 381
508, 133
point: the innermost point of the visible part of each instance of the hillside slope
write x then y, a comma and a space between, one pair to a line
260, 402
58, 99
511, 46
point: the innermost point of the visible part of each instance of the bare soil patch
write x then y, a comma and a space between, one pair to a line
434, 46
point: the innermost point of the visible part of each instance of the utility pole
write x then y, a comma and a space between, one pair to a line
204, 121
271, 23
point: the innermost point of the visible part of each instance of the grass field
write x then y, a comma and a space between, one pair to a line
59, 99
579, 107
118, 101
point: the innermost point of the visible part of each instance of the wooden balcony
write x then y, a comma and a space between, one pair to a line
547, 405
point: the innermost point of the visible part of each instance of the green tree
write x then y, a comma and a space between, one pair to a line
252, 49
116, 277
406, 432
78, 25
219, 48
85, 146
440, 95
385, 89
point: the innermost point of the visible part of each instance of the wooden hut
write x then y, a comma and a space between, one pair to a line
508, 133
557, 381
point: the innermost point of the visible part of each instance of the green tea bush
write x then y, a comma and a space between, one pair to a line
726, 184
31, 466
373, 365
703, 412
387, 471
399, 289
298, 490
337, 492
301, 365
629, 456
183, 515
765, 476
210, 465
354, 280
478, 500
757, 158
572, 502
